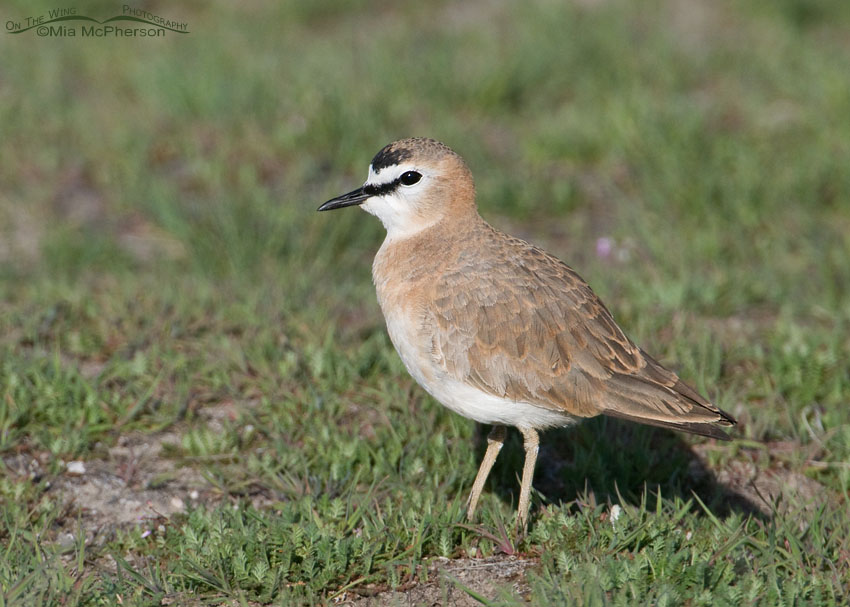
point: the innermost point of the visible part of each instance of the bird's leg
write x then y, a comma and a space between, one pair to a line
495, 440
531, 442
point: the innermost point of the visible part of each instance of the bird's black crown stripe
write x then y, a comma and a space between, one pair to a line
389, 156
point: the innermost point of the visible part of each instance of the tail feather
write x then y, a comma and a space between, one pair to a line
702, 429
658, 397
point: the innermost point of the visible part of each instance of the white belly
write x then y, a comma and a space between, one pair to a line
460, 397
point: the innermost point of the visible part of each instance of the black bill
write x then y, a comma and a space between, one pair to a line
358, 196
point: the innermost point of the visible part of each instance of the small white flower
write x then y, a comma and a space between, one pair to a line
616, 511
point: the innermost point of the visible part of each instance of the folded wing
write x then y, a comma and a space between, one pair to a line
537, 333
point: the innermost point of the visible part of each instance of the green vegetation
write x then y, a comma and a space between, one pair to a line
175, 315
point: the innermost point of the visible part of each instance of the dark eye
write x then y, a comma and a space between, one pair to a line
409, 177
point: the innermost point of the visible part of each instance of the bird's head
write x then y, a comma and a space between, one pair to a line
412, 184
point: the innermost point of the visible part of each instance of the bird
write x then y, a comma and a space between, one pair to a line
495, 328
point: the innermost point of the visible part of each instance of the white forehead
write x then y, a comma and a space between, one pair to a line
388, 174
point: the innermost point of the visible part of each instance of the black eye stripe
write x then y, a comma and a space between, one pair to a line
384, 188
380, 190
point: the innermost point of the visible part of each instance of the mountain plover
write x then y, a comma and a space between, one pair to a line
496, 329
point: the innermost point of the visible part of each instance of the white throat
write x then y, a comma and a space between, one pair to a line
400, 209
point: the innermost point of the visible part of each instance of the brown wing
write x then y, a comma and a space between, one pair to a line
535, 332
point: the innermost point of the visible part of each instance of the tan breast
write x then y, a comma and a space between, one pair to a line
404, 274
466, 303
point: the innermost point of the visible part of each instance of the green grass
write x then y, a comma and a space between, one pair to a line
163, 273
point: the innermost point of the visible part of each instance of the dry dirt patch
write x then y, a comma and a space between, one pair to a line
134, 485
769, 485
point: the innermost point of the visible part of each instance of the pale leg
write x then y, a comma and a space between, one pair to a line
532, 445
494, 444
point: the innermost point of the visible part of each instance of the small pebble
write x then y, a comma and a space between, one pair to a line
66, 541
76, 468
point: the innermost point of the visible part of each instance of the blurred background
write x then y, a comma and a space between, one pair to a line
160, 252
689, 158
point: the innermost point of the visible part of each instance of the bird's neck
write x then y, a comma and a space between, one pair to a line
426, 251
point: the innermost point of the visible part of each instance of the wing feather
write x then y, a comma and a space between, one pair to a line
526, 327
